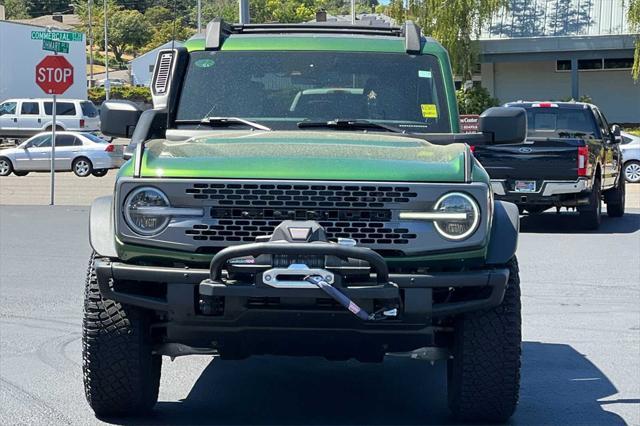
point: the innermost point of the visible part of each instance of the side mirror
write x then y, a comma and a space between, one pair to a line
119, 118
503, 125
615, 134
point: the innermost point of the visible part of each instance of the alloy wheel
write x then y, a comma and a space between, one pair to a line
82, 168
632, 172
5, 168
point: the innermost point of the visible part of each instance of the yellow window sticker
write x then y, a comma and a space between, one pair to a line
429, 110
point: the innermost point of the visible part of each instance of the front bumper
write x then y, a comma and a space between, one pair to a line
565, 193
174, 291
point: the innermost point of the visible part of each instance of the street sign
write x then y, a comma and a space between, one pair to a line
54, 74
469, 123
55, 46
56, 35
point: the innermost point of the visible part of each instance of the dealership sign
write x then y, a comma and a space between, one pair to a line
469, 123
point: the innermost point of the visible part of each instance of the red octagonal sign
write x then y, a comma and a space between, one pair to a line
54, 74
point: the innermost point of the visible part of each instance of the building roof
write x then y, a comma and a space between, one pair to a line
373, 19
167, 45
558, 18
66, 22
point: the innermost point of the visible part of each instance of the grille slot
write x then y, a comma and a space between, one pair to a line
306, 196
246, 230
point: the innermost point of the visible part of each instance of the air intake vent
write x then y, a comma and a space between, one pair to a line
163, 72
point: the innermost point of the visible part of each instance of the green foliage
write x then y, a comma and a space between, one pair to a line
475, 100
633, 16
455, 24
16, 9
46, 7
130, 93
584, 98
633, 131
129, 30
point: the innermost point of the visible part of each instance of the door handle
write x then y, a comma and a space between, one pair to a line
15, 120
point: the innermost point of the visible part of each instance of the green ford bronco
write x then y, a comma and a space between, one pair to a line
304, 190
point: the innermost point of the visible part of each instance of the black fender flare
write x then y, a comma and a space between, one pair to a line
503, 240
101, 229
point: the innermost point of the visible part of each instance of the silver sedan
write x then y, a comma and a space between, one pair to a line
83, 153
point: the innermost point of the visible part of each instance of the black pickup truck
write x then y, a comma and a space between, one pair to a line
571, 158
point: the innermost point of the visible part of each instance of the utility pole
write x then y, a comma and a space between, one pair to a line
107, 84
244, 12
353, 11
90, 44
199, 16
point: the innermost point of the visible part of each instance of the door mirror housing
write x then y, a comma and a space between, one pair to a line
118, 119
616, 137
503, 125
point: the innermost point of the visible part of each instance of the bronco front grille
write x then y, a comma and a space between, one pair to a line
247, 210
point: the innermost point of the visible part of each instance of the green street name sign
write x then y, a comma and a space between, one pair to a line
56, 36
55, 46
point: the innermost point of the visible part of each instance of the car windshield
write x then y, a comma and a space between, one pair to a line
281, 89
560, 123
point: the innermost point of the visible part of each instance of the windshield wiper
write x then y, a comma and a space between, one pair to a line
225, 122
342, 124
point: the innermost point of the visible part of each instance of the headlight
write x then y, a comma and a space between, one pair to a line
457, 228
139, 209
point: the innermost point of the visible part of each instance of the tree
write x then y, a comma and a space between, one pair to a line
129, 30
16, 9
633, 16
454, 23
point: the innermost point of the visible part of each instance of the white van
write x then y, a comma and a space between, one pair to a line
22, 118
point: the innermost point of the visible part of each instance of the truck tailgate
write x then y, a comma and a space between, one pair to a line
543, 159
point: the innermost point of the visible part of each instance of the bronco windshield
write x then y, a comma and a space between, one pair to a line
281, 89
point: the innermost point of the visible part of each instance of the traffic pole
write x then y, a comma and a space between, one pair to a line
53, 152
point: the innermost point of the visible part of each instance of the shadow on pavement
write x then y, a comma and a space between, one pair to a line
567, 223
559, 386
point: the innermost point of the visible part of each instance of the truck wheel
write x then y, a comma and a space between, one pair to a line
484, 373
590, 215
121, 375
615, 199
5, 166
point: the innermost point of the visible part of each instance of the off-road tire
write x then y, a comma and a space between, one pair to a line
121, 375
7, 166
615, 199
591, 214
484, 373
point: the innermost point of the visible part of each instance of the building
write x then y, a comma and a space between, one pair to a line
58, 21
563, 49
373, 19
19, 55
142, 66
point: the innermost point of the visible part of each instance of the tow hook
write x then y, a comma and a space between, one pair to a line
349, 304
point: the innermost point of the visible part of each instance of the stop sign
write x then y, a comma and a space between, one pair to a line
54, 74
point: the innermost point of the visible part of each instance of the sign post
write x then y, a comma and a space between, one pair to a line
54, 75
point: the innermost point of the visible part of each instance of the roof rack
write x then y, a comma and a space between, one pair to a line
217, 30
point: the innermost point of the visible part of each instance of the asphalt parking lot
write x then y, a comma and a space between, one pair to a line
581, 317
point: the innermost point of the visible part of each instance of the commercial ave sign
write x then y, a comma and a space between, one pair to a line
56, 36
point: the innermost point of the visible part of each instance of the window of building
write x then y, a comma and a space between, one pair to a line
596, 64
618, 63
